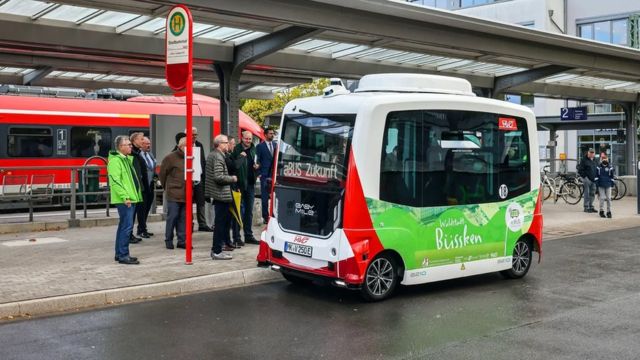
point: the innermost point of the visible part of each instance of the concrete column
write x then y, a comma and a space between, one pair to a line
631, 137
552, 150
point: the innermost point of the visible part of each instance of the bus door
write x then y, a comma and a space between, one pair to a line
310, 185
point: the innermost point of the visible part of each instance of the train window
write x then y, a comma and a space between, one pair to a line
90, 141
30, 142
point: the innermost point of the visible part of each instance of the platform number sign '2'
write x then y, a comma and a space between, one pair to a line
507, 124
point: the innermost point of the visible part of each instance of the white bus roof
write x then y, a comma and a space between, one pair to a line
402, 88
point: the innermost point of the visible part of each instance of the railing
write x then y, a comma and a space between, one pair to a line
18, 192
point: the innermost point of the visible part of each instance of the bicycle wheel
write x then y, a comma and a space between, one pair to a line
614, 191
621, 189
546, 191
570, 193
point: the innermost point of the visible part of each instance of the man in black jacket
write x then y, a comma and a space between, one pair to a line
587, 170
137, 141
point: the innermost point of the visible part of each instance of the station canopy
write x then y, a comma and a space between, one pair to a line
120, 43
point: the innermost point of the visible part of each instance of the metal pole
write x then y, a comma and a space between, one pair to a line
30, 209
73, 194
189, 158
84, 191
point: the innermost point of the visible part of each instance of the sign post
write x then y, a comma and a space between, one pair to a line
178, 72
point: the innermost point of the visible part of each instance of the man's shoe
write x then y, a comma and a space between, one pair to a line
220, 256
239, 244
182, 246
145, 235
592, 210
227, 248
134, 239
252, 241
587, 210
205, 228
609, 214
602, 213
169, 245
130, 257
129, 261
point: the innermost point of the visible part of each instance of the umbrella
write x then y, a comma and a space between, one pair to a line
234, 207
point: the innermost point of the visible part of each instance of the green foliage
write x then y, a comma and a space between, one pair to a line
259, 109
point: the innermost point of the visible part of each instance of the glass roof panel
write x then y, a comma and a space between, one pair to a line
68, 13
221, 33
249, 37
24, 7
112, 18
306, 45
153, 25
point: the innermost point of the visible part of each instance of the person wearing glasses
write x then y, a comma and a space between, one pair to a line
218, 188
125, 189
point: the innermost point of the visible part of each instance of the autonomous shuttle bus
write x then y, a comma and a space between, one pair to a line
410, 179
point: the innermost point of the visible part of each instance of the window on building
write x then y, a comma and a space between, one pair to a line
610, 31
448, 157
90, 141
521, 99
29, 142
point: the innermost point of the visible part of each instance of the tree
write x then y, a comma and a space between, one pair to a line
259, 109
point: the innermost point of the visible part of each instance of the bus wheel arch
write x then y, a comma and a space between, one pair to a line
522, 257
382, 276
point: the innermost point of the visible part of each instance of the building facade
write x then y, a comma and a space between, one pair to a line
612, 21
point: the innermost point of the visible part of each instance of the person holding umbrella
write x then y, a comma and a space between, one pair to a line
218, 188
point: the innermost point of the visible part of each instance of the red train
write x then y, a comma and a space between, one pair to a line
53, 131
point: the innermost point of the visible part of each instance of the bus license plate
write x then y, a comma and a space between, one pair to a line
298, 249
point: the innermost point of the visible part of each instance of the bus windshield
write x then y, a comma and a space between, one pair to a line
315, 147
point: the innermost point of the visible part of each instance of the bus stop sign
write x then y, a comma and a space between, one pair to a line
179, 47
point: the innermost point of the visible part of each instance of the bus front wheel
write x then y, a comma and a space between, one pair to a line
381, 278
520, 261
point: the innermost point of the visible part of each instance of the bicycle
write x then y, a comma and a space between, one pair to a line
568, 190
619, 189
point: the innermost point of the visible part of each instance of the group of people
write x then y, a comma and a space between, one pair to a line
229, 167
598, 176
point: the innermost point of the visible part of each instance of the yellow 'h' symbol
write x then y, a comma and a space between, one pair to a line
176, 24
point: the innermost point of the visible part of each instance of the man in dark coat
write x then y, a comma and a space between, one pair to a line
587, 170
245, 155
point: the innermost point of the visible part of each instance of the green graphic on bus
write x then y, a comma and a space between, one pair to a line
428, 237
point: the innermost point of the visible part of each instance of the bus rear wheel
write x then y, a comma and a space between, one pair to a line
381, 278
521, 260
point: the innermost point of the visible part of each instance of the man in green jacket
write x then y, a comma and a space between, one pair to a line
125, 194
245, 155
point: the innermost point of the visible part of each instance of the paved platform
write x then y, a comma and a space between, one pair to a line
52, 271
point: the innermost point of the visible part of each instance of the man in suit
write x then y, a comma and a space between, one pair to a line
140, 167
265, 154
150, 163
